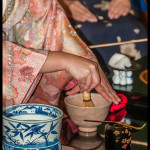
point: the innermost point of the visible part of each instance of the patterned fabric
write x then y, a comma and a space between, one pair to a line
111, 31
40, 26
26, 66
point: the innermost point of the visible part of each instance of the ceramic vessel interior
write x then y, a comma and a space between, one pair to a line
33, 126
78, 114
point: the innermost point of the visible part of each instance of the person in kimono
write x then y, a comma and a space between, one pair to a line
42, 54
108, 21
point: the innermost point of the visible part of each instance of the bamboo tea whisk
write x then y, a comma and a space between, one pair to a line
87, 102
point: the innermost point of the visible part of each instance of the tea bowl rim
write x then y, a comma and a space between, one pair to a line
108, 103
33, 121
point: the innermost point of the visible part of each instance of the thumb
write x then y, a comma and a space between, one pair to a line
73, 91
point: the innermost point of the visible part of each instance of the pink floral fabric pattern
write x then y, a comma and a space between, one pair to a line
23, 74
26, 73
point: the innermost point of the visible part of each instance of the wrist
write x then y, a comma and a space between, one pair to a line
56, 61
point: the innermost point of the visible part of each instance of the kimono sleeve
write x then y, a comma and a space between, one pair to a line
20, 70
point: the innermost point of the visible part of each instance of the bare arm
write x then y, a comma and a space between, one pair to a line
87, 72
83, 70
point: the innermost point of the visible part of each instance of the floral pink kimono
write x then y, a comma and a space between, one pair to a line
39, 26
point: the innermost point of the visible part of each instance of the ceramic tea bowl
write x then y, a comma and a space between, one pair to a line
31, 126
78, 114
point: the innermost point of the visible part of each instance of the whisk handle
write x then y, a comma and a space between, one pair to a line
86, 96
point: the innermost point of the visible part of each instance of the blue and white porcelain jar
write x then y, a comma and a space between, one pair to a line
32, 127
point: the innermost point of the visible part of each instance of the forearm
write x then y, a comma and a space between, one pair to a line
55, 62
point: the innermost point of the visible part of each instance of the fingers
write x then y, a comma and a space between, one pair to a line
125, 12
113, 96
106, 90
88, 16
118, 8
85, 16
90, 82
108, 94
73, 91
81, 13
95, 78
85, 84
112, 10
89, 75
100, 89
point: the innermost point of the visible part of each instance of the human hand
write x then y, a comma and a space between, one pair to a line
88, 74
79, 12
105, 89
118, 8
102, 88
85, 72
